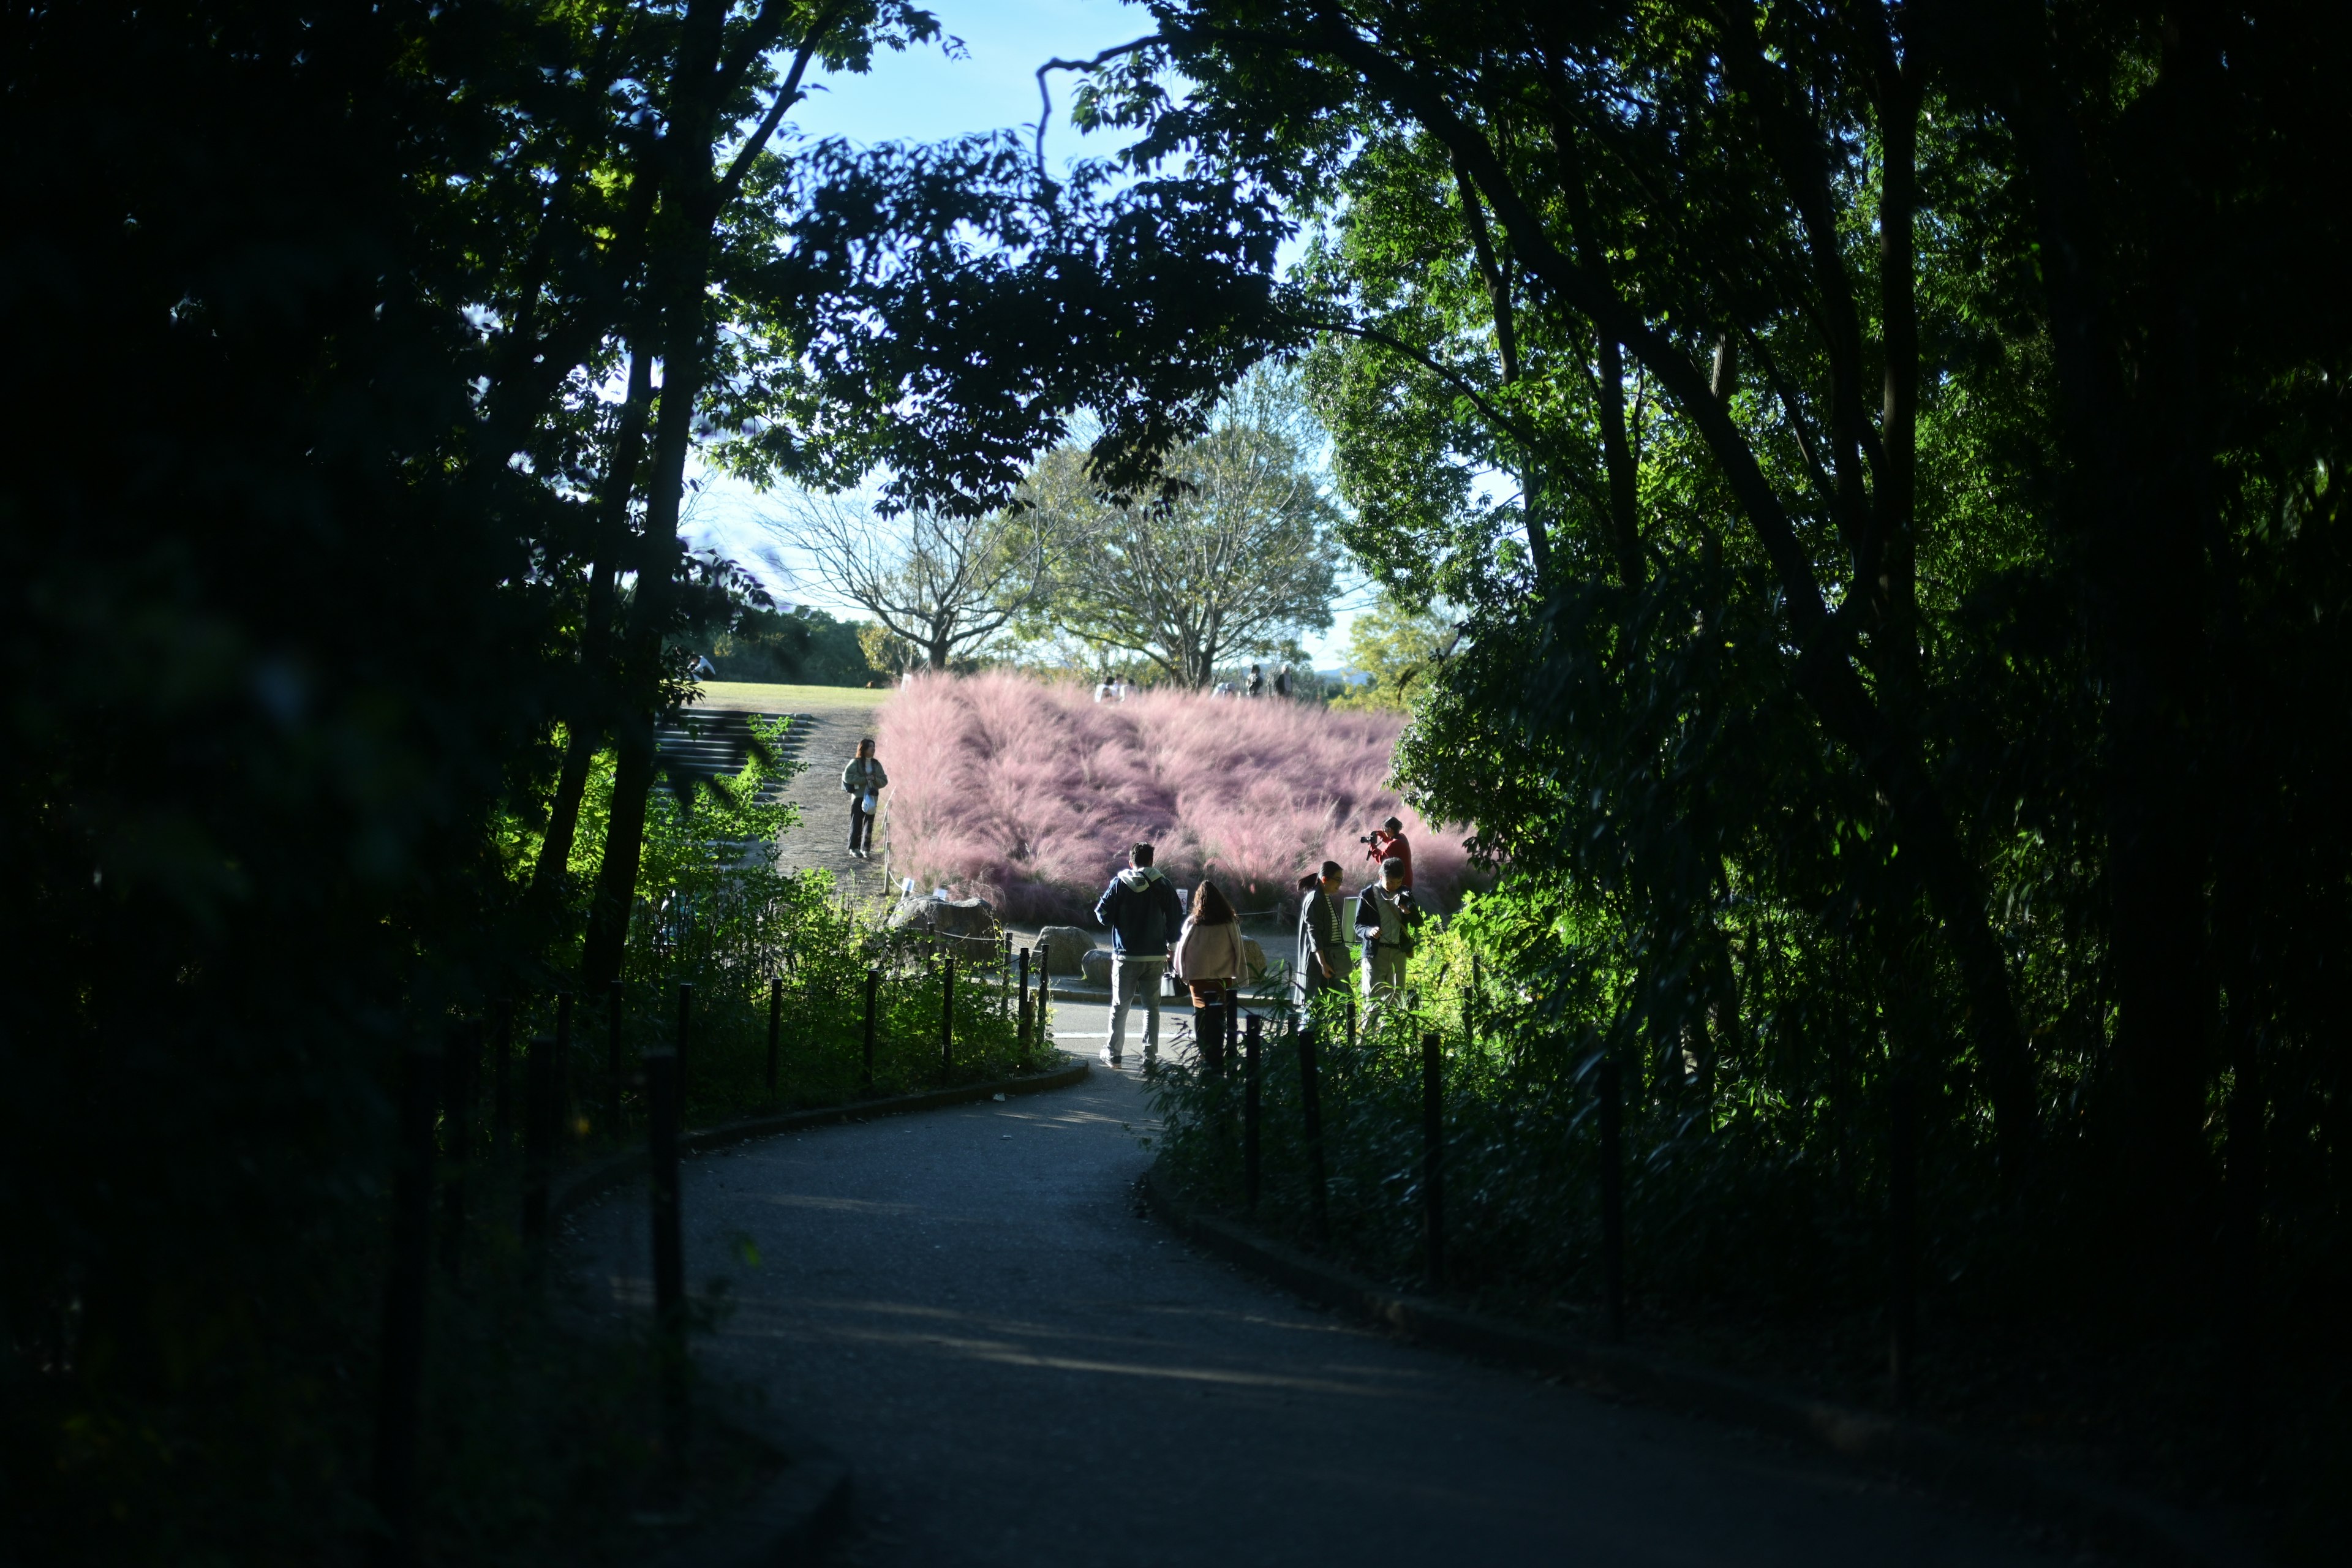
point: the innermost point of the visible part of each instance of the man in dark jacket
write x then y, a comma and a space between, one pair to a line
1322, 955
1142, 910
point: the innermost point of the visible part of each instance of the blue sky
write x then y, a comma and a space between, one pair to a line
924, 96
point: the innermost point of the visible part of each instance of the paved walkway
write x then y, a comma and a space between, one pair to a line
1021, 1369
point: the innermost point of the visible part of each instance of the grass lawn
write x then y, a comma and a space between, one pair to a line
763, 697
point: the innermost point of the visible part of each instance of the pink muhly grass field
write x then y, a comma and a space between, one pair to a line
1028, 794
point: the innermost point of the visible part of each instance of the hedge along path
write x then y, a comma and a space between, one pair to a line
1020, 1368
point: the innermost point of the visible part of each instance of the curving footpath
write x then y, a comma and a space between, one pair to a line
1020, 1368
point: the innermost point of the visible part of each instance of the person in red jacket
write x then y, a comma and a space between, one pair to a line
1390, 844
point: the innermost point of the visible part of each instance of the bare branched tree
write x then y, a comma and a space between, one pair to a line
944, 584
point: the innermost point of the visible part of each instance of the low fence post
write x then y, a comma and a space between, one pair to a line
1310, 1107
502, 1078
1021, 1032
562, 1061
461, 1072
775, 1022
401, 1373
947, 1017
1351, 990
1253, 1106
1612, 1200
613, 1062
537, 1135
1902, 1235
873, 990
1433, 1156
1004, 976
1044, 1005
669, 1255
685, 1028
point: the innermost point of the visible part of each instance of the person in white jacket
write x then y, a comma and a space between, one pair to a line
1210, 959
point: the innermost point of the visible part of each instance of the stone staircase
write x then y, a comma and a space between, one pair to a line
718, 740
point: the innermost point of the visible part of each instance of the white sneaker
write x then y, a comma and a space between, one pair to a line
1111, 1061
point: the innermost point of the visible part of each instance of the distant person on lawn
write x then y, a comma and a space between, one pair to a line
1256, 681
1209, 959
1321, 954
863, 781
1386, 917
1142, 910
1390, 844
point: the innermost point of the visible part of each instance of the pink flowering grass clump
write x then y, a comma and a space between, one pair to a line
1028, 794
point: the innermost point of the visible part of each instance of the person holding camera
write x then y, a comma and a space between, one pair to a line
1388, 844
1386, 917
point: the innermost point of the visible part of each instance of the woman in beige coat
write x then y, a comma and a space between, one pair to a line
1209, 959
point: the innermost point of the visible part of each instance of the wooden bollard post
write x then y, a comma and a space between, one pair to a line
1433, 1158
1902, 1235
873, 997
1045, 1006
1310, 1107
1352, 1008
400, 1374
461, 1073
685, 1028
1612, 1200
947, 1017
537, 1135
613, 1061
562, 1063
669, 1253
775, 1023
502, 1078
1020, 1028
1005, 976
1252, 1109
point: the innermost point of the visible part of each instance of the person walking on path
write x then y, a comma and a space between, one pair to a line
1321, 954
1209, 960
1143, 910
1390, 844
863, 781
1386, 917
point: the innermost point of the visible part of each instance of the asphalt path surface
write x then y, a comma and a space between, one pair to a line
1020, 1368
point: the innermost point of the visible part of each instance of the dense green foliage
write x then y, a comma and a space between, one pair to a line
1887, 462
342, 544
802, 646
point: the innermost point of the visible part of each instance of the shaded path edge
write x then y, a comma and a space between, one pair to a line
2109, 1516
799, 1513
593, 1180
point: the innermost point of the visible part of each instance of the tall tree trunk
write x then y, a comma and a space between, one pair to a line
584, 724
2140, 460
681, 262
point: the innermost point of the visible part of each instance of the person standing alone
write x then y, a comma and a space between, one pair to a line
863, 781
1142, 910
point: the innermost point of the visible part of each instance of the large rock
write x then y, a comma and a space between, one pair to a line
945, 917
1064, 948
1094, 964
